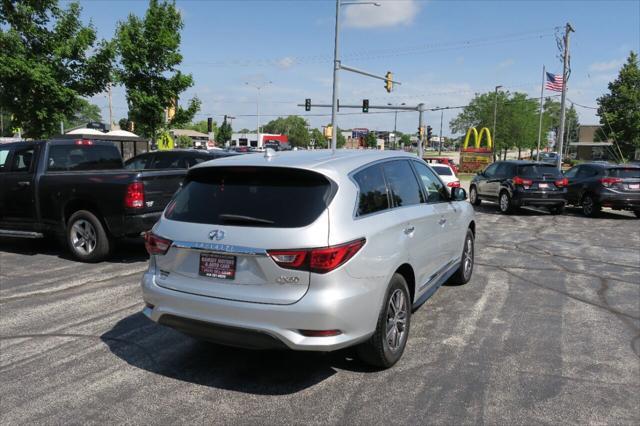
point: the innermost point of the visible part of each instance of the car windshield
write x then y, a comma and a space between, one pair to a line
442, 170
251, 196
625, 173
539, 170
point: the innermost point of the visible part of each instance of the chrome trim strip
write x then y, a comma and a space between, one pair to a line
440, 272
220, 248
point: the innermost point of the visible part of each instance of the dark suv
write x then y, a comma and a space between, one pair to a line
596, 185
520, 183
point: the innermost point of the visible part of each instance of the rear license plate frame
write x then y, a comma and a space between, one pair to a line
225, 270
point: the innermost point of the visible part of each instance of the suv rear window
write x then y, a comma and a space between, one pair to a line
628, 173
539, 170
273, 197
83, 157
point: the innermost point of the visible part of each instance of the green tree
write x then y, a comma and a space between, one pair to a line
370, 140
149, 51
224, 133
293, 126
551, 121
619, 110
202, 126
86, 112
405, 139
318, 137
48, 61
183, 141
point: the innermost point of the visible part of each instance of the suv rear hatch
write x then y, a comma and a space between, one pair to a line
622, 179
225, 219
540, 177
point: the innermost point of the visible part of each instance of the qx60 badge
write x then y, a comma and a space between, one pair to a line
216, 234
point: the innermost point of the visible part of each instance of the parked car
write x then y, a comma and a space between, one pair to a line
519, 183
78, 191
307, 250
174, 159
549, 157
596, 185
447, 175
442, 160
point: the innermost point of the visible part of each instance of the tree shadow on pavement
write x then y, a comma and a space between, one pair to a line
125, 251
162, 350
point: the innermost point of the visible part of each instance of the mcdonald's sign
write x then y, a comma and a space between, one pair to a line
478, 138
476, 158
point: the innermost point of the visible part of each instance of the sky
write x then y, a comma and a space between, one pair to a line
441, 51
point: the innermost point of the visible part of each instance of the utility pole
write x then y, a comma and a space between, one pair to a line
395, 126
565, 75
440, 138
495, 116
110, 106
420, 133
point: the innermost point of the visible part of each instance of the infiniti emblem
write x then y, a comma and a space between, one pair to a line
216, 234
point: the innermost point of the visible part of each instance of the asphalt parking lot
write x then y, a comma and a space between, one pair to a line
546, 332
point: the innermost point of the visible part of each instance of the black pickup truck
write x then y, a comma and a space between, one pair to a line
78, 191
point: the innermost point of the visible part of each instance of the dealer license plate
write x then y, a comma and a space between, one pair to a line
543, 185
220, 266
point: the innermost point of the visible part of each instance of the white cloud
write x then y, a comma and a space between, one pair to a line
389, 14
286, 62
614, 64
506, 63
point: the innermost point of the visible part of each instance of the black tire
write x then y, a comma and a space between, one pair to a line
378, 351
464, 272
86, 237
506, 207
555, 210
473, 196
590, 207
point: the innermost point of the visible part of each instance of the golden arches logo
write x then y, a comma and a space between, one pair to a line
478, 137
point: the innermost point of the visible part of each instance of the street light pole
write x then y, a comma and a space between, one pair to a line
440, 146
395, 126
258, 87
495, 116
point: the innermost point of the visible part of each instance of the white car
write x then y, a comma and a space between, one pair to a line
447, 175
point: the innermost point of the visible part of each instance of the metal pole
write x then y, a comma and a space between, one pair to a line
61, 127
495, 116
258, 113
110, 107
541, 111
1, 122
420, 125
565, 68
440, 145
336, 68
395, 130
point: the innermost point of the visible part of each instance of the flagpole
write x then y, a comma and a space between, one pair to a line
541, 111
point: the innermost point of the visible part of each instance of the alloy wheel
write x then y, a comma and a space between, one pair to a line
468, 258
472, 195
83, 236
504, 202
587, 206
396, 320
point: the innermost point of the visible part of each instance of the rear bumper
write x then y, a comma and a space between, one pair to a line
620, 201
540, 198
139, 223
268, 326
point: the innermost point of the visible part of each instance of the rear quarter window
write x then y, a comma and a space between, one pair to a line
625, 173
372, 190
252, 196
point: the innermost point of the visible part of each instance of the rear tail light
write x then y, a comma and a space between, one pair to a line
319, 260
455, 184
517, 180
562, 182
155, 244
134, 199
609, 181
84, 142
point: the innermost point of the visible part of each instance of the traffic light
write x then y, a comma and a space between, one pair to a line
365, 105
307, 104
429, 133
209, 125
388, 84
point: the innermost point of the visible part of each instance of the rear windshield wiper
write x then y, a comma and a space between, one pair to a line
247, 219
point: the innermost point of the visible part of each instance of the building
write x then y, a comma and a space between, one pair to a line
588, 147
257, 141
200, 140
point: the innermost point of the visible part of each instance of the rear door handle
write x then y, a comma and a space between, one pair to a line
442, 221
409, 230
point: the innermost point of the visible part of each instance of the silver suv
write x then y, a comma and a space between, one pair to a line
307, 250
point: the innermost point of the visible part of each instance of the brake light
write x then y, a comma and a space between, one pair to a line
562, 182
455, 184
155, 244
134, 198
609, 181
517, 180
319, 260
84, 142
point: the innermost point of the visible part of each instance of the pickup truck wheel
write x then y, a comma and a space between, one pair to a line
86, 237
387, 344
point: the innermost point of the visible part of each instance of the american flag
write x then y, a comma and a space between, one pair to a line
554, 82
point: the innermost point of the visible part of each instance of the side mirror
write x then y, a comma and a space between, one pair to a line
458, 194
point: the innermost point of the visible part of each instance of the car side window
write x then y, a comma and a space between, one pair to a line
405, 190
22, 159
433, 187
503, 170
168, 161
585, 172
570, 174
372, 194
490, 171
4, 156
139, 163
